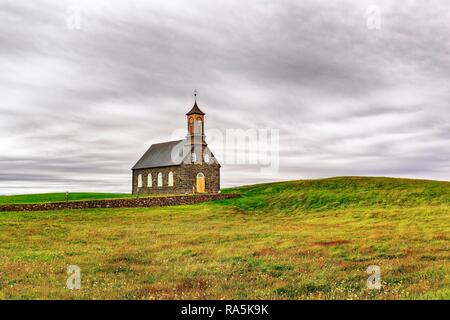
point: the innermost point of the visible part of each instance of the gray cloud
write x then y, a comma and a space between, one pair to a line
79, 107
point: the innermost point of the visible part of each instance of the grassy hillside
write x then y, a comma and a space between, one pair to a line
342, 193
290, 240
58, 197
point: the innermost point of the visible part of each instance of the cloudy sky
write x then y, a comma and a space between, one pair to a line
78, 107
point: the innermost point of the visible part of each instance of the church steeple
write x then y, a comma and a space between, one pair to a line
195, 109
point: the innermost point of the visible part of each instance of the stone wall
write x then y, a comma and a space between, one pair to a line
184, 179
120, 203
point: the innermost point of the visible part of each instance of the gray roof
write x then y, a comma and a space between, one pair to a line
195, 110
172, 153
162, 155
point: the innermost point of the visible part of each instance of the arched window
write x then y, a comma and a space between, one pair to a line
140, 181
160, 181
191, 125
149, 180
194, 157
206, 158
170, 179
199, 124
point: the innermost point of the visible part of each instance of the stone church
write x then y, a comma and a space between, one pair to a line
179, 167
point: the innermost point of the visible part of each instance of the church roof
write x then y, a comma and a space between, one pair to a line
164, 154
195, 110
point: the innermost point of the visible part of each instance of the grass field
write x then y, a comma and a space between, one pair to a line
59, 197
292, 240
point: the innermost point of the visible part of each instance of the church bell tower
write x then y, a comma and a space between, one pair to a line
196, 131
196, 124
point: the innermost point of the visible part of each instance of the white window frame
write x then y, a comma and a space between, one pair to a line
139, 181
170, 179
160, 179
149, 180
207, 158
194, 157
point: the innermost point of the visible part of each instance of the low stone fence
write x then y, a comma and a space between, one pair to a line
119, 203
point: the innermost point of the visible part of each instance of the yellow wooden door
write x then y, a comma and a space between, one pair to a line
200, 183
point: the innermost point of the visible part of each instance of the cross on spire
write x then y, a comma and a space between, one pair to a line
195, 109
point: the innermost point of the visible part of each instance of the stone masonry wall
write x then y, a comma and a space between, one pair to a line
119, 203
184, 177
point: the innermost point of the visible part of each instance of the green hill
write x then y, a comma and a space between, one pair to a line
341, 193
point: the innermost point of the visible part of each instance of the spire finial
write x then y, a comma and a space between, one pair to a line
195, 95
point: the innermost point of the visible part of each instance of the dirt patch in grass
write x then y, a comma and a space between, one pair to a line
193, 284
330, 243
265, 252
